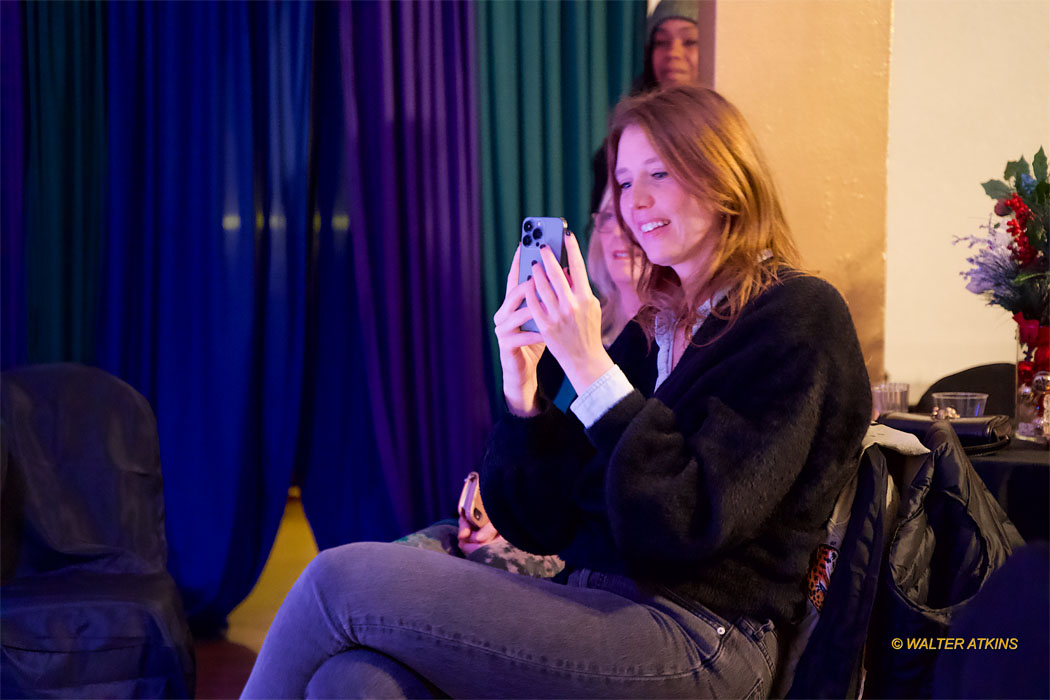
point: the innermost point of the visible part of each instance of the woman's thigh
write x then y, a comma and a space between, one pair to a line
366, 673
478, 632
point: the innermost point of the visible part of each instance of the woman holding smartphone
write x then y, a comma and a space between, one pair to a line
614, 264
685, 488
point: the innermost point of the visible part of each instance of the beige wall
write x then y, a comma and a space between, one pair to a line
812, 77
969, 90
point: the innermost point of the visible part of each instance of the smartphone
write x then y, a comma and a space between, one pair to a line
470, 506
535, 231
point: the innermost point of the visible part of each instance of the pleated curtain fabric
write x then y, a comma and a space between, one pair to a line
205, 265
65, 176
411, 254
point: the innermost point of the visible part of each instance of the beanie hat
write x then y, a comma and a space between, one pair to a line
688, 10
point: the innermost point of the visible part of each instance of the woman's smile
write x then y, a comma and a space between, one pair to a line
653, 225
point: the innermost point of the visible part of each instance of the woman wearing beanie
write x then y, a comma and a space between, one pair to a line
672, 46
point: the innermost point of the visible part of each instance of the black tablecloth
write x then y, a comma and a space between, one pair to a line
1019, 478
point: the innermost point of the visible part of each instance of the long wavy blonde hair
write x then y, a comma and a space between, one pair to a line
709, 149
608, 293
609, 296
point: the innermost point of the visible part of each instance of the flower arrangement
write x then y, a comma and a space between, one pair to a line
1011, 264
1011, 267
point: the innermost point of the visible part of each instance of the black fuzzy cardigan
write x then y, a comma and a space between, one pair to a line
718, 484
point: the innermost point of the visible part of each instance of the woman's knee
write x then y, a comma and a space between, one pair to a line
343, 562
367, 571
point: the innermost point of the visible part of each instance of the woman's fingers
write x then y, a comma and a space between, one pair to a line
544, 290
465, 530
513, 320
470, 540
509, 319
536, 307
510, 335
486, 534
515, 296
521, 340
512, 276
577, 268
555, 276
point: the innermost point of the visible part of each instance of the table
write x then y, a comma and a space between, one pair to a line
1019, 478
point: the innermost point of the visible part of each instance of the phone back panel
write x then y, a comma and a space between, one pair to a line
535, 231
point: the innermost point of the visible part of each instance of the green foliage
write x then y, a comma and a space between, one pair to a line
1026, 276
1042, 192
1031, 300
1039, 165
997, 189
1016, 168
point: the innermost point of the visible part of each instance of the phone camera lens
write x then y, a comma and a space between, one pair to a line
526, 241
538, 233
527, 226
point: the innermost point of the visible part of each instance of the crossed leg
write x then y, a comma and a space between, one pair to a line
474, 631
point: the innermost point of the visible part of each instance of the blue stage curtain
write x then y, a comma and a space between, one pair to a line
412, 252
204, 269
12, 188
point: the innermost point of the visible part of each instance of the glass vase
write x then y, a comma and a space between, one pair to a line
1032, 420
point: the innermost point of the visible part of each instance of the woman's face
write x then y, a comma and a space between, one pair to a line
671, 226
676, 53
616, 247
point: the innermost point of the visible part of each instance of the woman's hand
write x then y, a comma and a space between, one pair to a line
568, 315
519, 351
471, 539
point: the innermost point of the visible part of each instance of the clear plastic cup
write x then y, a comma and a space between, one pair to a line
958, 404
888, 397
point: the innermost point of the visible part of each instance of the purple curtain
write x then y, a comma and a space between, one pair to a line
12, 222
413, 207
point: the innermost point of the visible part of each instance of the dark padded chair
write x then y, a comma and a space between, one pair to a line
87, 606
923, 535
997, 380
950, 535
831, 665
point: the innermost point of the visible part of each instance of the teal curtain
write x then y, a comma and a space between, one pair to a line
548, 73
65, 176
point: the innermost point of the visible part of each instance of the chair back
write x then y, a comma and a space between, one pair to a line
83, 473
826, 658
829, 644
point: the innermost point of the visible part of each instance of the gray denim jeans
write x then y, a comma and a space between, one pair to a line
421, 623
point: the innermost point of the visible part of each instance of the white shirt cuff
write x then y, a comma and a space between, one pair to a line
605, 392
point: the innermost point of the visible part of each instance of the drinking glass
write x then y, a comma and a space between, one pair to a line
889, 396
958, 404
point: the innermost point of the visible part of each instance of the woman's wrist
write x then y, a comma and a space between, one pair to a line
581, 375
522, 402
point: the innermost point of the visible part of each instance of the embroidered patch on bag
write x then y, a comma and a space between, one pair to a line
820, 574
